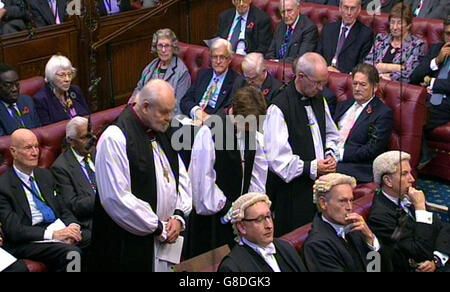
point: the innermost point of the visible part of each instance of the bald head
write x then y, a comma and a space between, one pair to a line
24, 150
311, 74
155, 105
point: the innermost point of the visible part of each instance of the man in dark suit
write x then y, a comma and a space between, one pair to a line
257, 250
30, 210
365, 124
340, 239
18, 266
108, 7
294, 36
248, 28
344, 44
372, 6
437, 9
413, 239
16, 110
74, 172
15, 17
254, 73
46, 12
430, 73
211, 92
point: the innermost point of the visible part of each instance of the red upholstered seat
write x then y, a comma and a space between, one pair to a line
31, 85
195, 57
439, 143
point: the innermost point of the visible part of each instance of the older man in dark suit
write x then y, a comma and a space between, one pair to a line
74, 172
211, 91
48, 12
254, 73
340, 239
16, 110
413, 239
433, 73
345, 43
365, 124
30, 210
247, 27
294, 36
15, 17
437, 9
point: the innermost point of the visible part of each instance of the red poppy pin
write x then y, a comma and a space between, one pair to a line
369, 110
26, 110
266, 91
251, 25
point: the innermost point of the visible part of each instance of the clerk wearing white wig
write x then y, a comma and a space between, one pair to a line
413, 239
257, 250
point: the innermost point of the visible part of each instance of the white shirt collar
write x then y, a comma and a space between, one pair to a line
23, 176
340, 229
221, 76
78, 157
7, 105
366, 103
264, 251
244, 17
347, 26
403, 202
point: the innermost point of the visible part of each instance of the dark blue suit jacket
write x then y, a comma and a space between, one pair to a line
196, 91
368, 138
356, 46
50, 109
29, 117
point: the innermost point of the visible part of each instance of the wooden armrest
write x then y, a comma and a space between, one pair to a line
437, 208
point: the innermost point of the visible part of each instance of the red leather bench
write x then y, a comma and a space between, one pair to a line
439, 142
430, 30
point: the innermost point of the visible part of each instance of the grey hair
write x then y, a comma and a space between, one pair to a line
219, 43
73, 125
56, 63
387, 163
282, 2
254, 61
308, 63
165, 33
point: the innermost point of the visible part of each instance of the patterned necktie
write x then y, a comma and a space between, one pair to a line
208, 98
436, 98
284, 45
236, 32
47, 212
91, 174
54, 8
16, 116
348, 125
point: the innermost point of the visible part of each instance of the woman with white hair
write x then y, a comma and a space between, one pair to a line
60, 100
167, 66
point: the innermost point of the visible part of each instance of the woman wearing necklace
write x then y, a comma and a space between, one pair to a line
397, 54
167, 66
59, 100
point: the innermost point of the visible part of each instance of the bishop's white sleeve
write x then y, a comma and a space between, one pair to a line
114, 186
2, 5
282, 160
184, 202
207, 198
260, 167
332, 134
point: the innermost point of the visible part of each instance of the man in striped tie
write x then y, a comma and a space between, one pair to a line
74, 171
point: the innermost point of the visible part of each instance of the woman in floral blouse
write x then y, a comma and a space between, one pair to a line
397, 54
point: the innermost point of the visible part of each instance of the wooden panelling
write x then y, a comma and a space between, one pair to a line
193, 20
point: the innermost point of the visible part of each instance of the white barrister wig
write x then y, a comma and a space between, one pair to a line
323, 184
387, 163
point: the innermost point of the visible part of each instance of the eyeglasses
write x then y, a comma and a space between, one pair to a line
219, 58
260, 219
317, 84
61, 75
163, 46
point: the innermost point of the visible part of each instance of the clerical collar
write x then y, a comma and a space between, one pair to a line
151, 134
